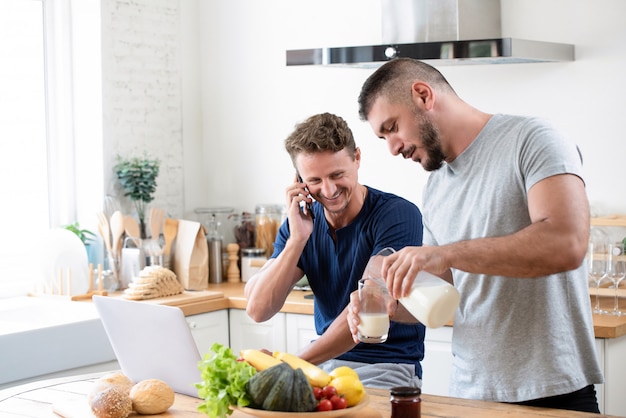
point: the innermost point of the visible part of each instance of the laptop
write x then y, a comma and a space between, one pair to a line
151, 341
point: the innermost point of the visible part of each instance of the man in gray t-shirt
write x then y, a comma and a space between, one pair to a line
506, 220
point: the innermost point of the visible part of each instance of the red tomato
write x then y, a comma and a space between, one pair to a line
338, 402
324, 405
328, 391
317, 392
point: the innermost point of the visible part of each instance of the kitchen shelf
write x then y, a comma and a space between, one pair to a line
609, 292
609, 220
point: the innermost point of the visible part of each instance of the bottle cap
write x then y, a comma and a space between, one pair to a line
405, 391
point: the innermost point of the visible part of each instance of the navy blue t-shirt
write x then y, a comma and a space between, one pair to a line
334, 267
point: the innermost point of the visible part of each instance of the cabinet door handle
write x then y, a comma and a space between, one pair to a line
192, 325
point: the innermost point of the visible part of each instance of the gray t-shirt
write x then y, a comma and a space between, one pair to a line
514, 339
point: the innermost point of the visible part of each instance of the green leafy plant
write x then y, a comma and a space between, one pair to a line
223, 383
137, 177
85, 235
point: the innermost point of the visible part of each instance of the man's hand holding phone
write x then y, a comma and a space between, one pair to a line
306, 207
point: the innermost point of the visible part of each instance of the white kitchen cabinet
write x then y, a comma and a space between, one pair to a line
437, 361
245, 333
300, 331
614, 364
208, 328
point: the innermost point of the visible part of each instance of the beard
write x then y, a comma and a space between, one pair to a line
430, 143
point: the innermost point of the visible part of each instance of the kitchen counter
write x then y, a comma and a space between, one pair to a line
67, 397
295, 303
608, 326
227, 295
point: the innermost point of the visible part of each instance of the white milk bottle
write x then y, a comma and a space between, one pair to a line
432, 300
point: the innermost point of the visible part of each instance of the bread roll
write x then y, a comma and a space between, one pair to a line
151, 396
111, 402
112, 379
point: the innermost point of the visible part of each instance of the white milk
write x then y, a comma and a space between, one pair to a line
373, 327
432, 300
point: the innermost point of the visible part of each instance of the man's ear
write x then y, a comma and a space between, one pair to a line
423, 95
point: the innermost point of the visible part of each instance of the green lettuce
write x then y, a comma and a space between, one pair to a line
223, 383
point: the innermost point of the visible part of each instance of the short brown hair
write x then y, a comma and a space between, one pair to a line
393, 80
321, 132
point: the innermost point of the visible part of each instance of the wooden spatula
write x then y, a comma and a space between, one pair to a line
156, 222
169, 233
131, 226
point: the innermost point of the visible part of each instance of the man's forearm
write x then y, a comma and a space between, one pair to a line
334, 342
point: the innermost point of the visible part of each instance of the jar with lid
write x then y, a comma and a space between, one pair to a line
405, 402
214, 241
267, 221
252, 259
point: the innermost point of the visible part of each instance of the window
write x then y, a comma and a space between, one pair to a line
43, 168
23, 154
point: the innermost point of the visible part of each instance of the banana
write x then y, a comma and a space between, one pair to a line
258, 359
316, 376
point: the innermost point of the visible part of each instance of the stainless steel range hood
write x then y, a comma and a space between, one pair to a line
442, 32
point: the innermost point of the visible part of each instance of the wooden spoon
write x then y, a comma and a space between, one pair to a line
169, 233
117, 230
105, 231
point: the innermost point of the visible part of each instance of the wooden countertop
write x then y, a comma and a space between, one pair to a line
68, 398
609, 326
295, 303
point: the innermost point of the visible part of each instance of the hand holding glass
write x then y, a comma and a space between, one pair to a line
374, 319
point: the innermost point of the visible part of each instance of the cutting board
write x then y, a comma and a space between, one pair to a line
187, 297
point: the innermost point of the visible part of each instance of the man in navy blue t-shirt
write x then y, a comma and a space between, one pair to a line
343, 224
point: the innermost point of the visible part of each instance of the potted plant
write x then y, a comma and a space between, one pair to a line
85, 235
137, 177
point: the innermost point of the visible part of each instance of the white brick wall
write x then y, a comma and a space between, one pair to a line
142, 94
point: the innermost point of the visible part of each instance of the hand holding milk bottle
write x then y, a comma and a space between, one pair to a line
432, 300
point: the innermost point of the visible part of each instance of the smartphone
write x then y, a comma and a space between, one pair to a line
309, 209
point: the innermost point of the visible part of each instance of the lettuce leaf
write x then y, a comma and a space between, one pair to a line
223, 383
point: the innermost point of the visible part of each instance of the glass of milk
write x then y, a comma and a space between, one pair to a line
373, 316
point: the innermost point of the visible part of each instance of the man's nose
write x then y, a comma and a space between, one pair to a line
328, 188
394, 144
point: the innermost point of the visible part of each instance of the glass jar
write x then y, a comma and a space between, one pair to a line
405, 402
252, 259
267, 221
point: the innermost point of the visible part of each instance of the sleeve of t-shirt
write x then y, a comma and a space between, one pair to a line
545, 152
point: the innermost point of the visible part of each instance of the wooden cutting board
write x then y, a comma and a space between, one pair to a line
186, 297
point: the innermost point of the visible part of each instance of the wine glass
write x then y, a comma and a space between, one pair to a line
615, 271
597, 264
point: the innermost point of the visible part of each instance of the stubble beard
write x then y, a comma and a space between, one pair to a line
431, 143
